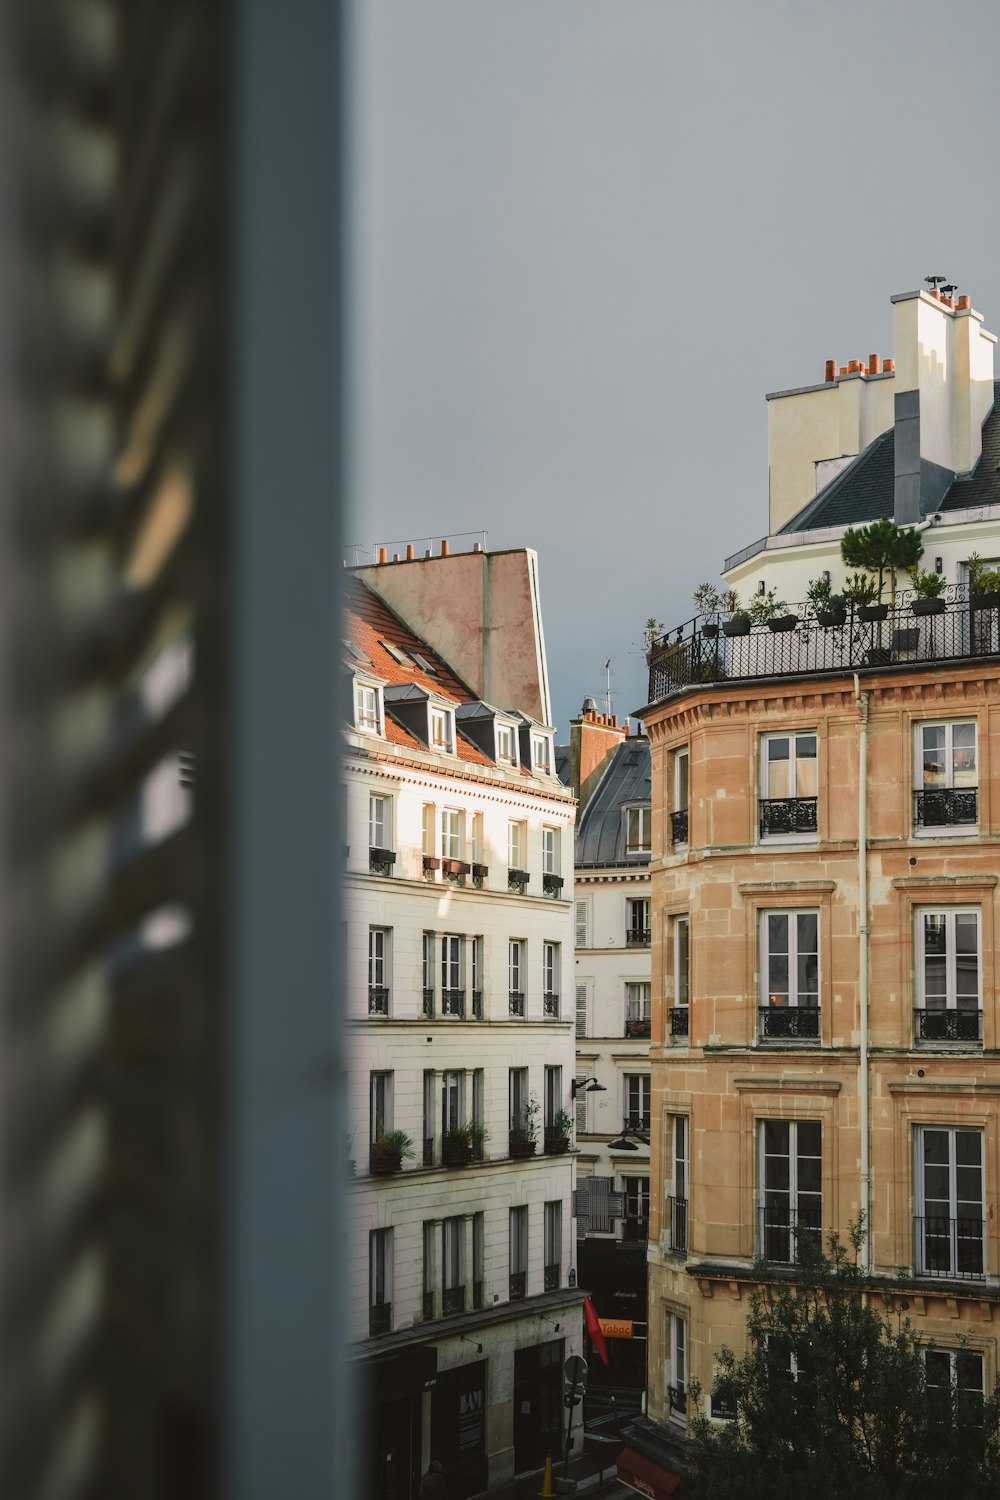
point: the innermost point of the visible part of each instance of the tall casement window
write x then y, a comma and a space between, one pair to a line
678, 1201
948, 969
637, 1097
379, 1281
676, 1371
551, 963
430, 1079
553, 1244
517, 1092
515, 846
551, 855
452, 1101
427, 972
950, 1227
637, 922
476, 844
679, 816
380, 1105
515, 971
638, 828
946, 776
442, 729
518, 1253
791, 1187
954, 1375
789, 975
451, 833
378, 971
367, 709
428, 824
541, 753
637, 1007
478, 1259
635, 1225
679, 1011
430, 1270
553, 1098
478, 1113
476, 956
582, 922
788, 786
453, 1266
452, 984
380, 856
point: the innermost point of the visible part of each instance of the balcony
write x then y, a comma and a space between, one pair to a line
518, 1285
634, 1229
551, 1281
550, 1005
686, 655
453, 1301
517, 881
780, 816
453, 1003
516, 1002
678, 825
428, 1001
380, 861
788, 1023
952, 1249
637, 1026
948, 1025
678, 1020
677, 1398
637, 937
380, 1318
946, 807
779, 1228
678, 1209
378, 1000
477, 1005
552, 885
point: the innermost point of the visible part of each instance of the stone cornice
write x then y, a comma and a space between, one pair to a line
418, 773
975, 880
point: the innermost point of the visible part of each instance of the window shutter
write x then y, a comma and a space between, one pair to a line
581, 924
581, 1010
581, 1105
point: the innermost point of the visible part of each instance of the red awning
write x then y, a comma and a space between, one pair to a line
647, 1478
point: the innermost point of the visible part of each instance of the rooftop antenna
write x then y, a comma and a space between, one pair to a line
607, 668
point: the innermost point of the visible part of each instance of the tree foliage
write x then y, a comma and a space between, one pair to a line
831, 1399
882, 547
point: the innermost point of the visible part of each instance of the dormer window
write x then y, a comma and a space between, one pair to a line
441, 729
367, 708
506, 745
541, 753
638, 824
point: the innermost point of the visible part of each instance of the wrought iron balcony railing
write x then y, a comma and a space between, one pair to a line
678, 1020
378, 1000
948, 1025
678, 825
453, 1301
678, 1224
453, 1003
677, 1397
788, 1022
779, 1229
477, 1005
380, 1318
428, 1001
516, 1002
551, 1281
552, 884
636, 1119
637, 1026
550, 1004
950, 1248
517, 881
946, 807
518, 1285
784, 815
687, 654
637, 937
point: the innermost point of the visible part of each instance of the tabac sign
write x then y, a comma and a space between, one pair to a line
616, 1328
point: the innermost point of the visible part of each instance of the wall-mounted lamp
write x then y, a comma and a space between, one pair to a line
826, 574
479, 1347
760, 586
939, 565
624, 1144
590, 1084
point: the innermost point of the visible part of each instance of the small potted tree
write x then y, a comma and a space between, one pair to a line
828, 607
767, 609
861, 592
389, 1150
984, 583
524, 1130
557, 1135
928, 588
707, 600
456, 1146
882, 549
739, 621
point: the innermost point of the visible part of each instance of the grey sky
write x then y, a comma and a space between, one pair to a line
589, 235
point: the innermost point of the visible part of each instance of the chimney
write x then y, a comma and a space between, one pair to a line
592, 739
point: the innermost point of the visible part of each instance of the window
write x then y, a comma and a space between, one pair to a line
518, 1253
637, 1087
789, 968
451, 833
515, 965
380, 1105
476, 838
676, 1371
541, 753
380, 856
378, 971
506, 745
427, 830
379, 1281
946, 776
791, 1187
427, 973
550, 851
478, 1259
635, 1224
553, 1098
452, 1101
949, 1003
637, 922
476, 949
637, 1008
788, 786
478, 1113
550, 979
553, 1245
515, 846
682, 977
517, 1086
453, 1266
950, 1221
581, 1009
954, 1375
367, 716
452, 986
429, 1091
679, 816
638, 821
442, 731
430, 1270
678, 1201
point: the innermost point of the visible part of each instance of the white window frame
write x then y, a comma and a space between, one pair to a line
679, 1133
476, 963
682, 961
428, 829
541, 753
369, 714
953, 1218
452, 1099
552, 1233
518, 1091
550, 851
515, 844
553, 1095
950, 914
792, 736
797, 1196
476, 838
641, 814
582, 922
638, 1006
380, 1103
379, 957
506, 743
945, 830
452, 1253
643, 904
637, 1100
682, 780
515, 966
792, 915
379, 821
440, 728
551, 967
953, 1356
678, 1365
452, 961
518, 1240
380, 1267
450, 829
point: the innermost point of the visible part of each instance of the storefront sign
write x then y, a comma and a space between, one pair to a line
616, 1328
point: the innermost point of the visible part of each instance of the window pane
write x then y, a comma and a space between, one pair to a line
779, 780
933, 755
963, 754
935, 960
805, 765
682, 782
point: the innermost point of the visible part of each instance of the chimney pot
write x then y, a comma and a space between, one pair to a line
382, 554
614, 721
830, 372
409, 552
395, 557
935, 294
843, 370
888, 365
873, 364
444, 547
964, 302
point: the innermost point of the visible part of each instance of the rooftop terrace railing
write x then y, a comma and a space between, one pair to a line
797, 645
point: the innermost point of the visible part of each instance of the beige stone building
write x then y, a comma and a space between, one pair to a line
826, 897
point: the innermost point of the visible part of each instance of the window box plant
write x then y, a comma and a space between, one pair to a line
557, 1135
828, 607
389, 1151
455, 867
861, 592
456, 1146
707, 601
524, 1130
739, 621
984, 584
766, 609
928, 588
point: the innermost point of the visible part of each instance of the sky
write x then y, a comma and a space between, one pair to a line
588, 236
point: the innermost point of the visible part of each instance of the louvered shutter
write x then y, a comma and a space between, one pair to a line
581, 1010
581, 923
581, 1104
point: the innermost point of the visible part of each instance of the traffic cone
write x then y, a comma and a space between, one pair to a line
547, 1492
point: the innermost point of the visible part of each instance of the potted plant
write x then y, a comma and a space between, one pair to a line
984, 583
478, 1134
861, 592
828, 607
707, 600
389, 1150
882, 549
928, 588
456, 1146
766, 609
652, 629
739, 621
524, 1130
557, 1135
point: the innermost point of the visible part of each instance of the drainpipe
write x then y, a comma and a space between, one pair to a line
861, 699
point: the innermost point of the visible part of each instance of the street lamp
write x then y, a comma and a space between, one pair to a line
590, 1084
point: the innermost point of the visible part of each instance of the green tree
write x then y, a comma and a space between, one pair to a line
832, 1399
881, 548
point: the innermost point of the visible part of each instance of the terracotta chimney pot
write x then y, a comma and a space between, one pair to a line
935, 294
444, 548
873, 364
409, 552
964, 302
888, 365
843, 369
382, 554
830, 373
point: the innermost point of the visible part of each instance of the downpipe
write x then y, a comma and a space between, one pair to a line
864, 1078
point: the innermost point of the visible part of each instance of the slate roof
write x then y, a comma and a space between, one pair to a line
863, 491
600, 834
